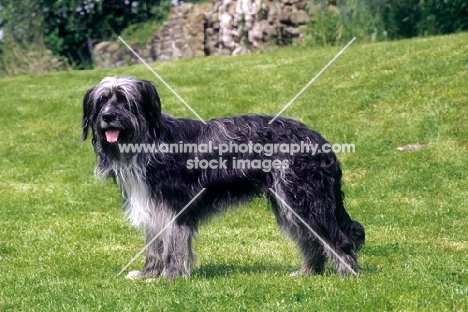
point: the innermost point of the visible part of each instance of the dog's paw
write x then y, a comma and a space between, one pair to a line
133, 275
170, 275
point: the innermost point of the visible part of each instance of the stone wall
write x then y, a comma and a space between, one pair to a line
224, 27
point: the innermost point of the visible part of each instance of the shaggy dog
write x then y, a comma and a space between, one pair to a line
231, 160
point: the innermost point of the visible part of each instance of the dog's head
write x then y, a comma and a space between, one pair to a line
121, 109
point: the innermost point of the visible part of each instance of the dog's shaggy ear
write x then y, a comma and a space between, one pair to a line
88, 108
151, 104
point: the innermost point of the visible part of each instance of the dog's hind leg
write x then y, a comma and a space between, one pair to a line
313, 253
323, 210
178, 255
353, 229
315, 210
314, 256
339, 247
327, 233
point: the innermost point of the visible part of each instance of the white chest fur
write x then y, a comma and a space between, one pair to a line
141, 208
138, 203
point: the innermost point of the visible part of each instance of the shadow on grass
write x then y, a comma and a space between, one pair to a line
213, 271
222, 270
225, 270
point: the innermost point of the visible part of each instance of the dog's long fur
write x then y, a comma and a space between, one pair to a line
156, 186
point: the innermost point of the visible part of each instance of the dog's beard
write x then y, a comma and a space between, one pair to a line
110, 136
126, 128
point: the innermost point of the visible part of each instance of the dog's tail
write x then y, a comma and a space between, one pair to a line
353, 229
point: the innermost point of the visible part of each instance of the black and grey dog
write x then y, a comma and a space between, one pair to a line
303, 186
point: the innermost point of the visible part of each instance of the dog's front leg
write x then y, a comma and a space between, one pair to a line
154, 262
178, 254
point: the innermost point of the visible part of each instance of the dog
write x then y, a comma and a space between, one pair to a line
304, 188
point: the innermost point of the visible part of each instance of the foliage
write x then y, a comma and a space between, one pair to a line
20, 18
405, 19
29, 58
70, 27
63, 237
143, 32
332, 25
74, 25
337, 21
22, 49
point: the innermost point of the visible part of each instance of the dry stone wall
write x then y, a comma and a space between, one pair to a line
224, 27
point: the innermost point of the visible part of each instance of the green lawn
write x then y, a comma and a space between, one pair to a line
63, 237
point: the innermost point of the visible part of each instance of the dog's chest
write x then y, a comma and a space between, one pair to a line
139, 205
141, 208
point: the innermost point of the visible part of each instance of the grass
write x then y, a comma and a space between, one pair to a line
63, 238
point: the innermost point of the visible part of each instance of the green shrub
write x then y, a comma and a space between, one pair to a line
406, 19
28, 55
332, 25
143, 32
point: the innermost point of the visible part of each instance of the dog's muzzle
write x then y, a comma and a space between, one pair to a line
111, 130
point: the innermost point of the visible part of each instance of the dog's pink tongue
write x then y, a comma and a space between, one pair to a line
112, 135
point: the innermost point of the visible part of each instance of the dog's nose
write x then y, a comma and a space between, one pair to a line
108, 117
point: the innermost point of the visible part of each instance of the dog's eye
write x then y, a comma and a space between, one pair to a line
103, 98
121, 98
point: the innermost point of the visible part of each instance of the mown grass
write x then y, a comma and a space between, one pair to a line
63, 238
